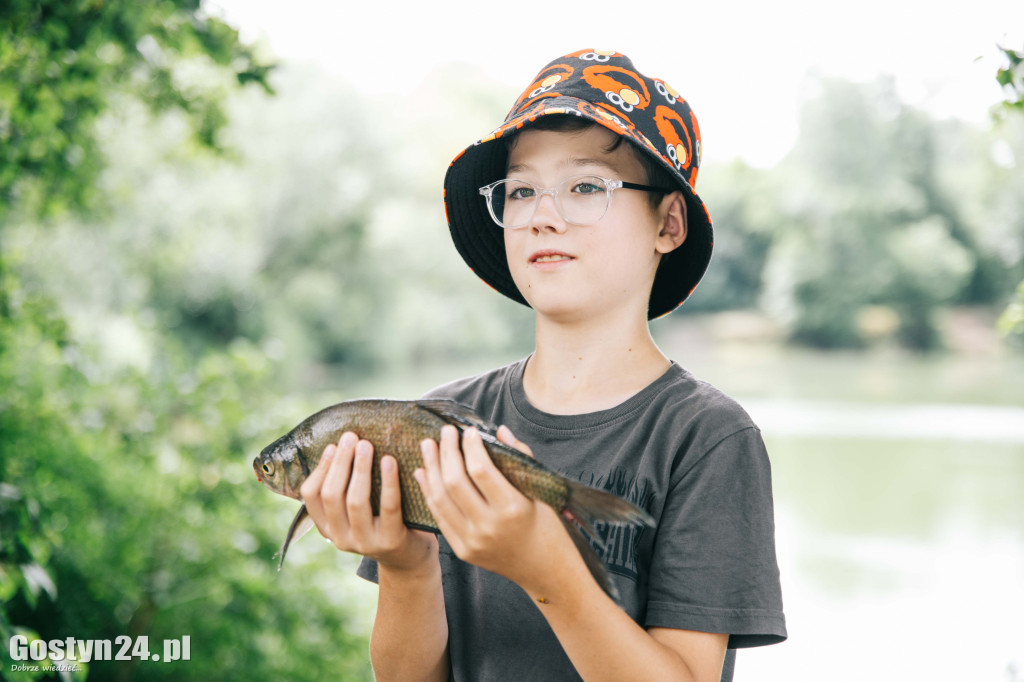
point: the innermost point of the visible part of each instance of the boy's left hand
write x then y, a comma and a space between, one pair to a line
484, 518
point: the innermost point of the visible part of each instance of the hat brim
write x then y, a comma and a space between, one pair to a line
481, 242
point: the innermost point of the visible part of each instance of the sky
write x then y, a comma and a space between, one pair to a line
743, 66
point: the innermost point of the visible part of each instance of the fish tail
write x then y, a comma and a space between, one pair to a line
588, 505
590, 558
300, 526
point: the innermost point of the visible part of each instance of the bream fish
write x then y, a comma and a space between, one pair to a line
396, 427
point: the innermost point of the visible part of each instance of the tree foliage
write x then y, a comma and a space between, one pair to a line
877, 208
865, 212
127, 505
61, 63
1011, 77
129, 508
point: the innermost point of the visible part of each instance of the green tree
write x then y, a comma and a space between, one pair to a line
1011, 77
744, 204
61, 63
129, 509
127, 506
867, 222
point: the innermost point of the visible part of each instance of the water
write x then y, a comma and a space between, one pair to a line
889, 421
901, 560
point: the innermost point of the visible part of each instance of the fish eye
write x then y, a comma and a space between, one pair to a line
268, 468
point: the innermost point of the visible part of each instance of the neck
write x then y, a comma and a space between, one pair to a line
590, 366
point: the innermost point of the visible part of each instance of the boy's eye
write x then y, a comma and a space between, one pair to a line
588, 186
520, 192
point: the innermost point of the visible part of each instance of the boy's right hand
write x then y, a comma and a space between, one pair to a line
337, 498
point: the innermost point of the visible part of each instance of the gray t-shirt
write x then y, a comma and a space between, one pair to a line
681, 450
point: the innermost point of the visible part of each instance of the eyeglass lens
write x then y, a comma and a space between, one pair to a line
579, 200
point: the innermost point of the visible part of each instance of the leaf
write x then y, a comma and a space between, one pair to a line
37, 579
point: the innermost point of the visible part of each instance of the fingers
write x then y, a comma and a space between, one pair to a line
463, 468
491, 483
337, 492
355, 505
338, 495
476, 508
391, 522
327, 482
310, 491
447, 488
460, 481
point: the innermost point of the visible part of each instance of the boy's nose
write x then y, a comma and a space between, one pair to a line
546, 215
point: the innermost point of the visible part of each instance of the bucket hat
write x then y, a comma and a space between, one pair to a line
603, 87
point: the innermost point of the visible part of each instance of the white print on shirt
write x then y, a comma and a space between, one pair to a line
620, 540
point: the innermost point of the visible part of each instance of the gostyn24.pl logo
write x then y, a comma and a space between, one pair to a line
28, 654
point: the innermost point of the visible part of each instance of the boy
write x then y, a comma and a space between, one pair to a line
581, 206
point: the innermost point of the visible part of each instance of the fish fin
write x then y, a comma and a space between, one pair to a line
457, 413
463, 417
588, 505
586, 524
590, 558
300, 526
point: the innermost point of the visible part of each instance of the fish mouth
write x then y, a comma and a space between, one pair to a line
256, 469
549, 257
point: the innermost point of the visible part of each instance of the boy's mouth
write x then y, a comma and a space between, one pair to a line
549, 257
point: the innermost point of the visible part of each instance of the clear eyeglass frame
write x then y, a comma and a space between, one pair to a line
572, 214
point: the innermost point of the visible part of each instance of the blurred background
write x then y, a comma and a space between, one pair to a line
216, 218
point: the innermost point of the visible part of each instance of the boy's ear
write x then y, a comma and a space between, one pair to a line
673, 223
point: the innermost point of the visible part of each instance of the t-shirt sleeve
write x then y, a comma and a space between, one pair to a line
367, 569
714, 567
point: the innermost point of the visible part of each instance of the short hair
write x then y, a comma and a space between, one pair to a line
655, 174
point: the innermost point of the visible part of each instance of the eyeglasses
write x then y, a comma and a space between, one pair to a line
580, 200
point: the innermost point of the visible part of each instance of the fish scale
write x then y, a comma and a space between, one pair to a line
396, 428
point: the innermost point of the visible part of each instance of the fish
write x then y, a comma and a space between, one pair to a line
397, 427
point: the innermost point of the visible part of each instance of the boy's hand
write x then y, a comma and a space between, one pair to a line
337, 497
484, 518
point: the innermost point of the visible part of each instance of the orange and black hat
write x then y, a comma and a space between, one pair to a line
603, 87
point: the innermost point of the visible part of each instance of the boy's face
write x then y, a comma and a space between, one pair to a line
577, 272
